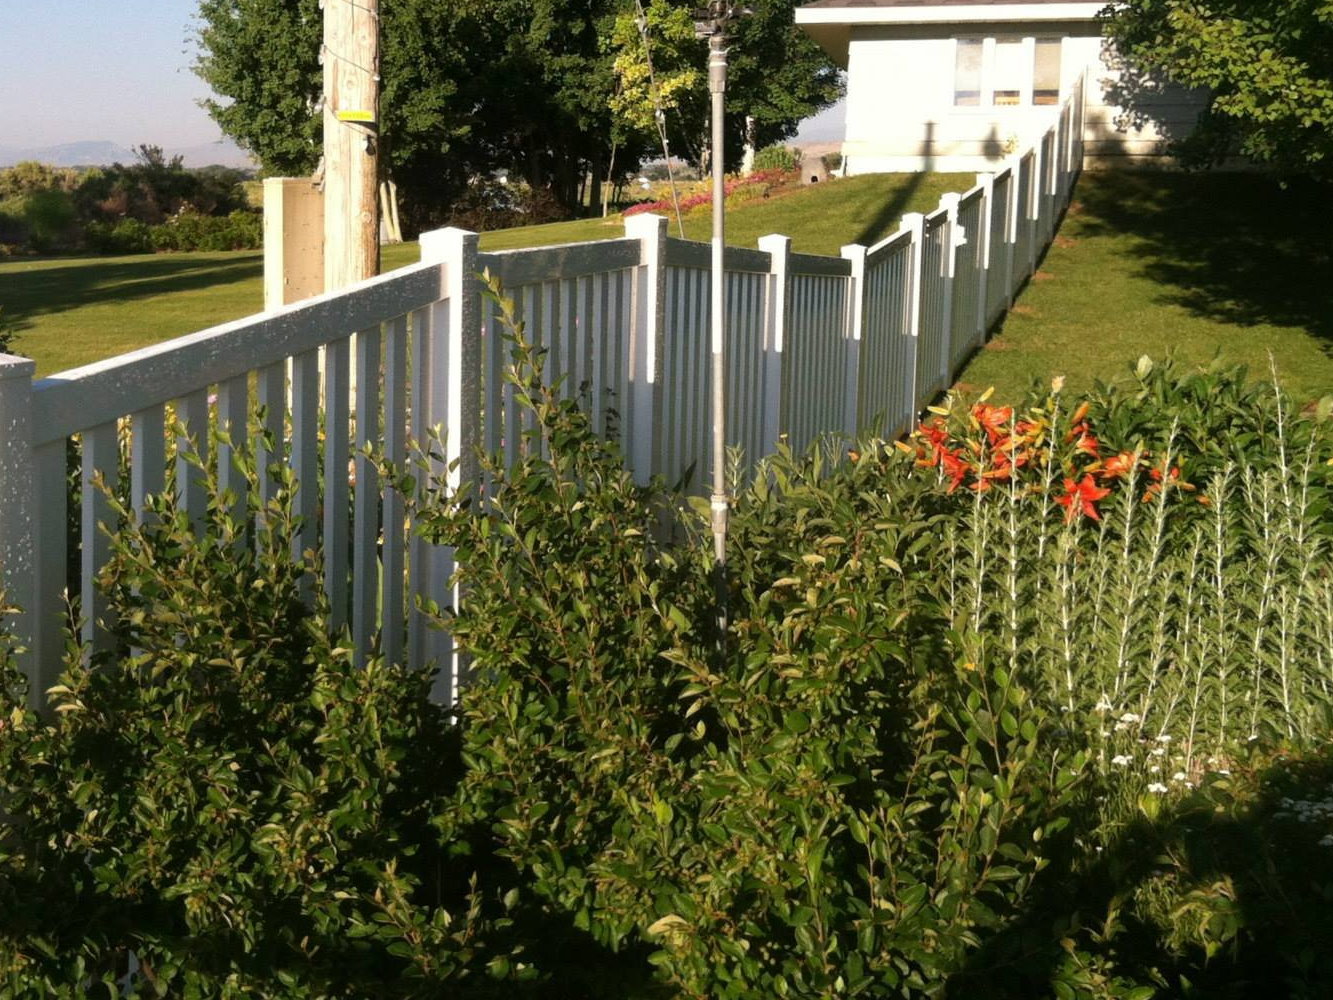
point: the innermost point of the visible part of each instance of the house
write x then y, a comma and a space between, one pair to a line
959, 84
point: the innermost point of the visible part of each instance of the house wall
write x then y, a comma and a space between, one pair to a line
901, 114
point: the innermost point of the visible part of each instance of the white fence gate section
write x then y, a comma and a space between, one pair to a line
815, 345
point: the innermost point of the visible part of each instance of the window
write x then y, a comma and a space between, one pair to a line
967, 73
1046, 71
1006, 72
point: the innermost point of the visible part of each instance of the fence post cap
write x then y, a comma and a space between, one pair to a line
774, 241
13, 366
645, 225
437, 244
853, 251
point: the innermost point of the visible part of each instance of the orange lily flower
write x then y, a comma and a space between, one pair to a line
1081, 497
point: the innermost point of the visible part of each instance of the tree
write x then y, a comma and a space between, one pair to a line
1266, 64
777, 75
472, 86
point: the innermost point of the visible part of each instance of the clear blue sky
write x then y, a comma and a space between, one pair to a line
116, 70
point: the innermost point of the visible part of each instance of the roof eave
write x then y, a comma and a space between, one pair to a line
831, 27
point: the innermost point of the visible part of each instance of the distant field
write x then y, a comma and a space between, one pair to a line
72, 311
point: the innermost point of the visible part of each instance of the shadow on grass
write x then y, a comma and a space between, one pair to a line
885, 220
1236, 247
1225, 894
87, 281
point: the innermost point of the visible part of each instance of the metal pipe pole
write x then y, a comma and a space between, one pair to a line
717, 83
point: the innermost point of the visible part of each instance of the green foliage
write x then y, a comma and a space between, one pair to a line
777, 158
816, 801
6, 332
546, 89
123, 237
1267, 65
29, 177
111, 209
50, 219
224, 794
240, 230
910, 754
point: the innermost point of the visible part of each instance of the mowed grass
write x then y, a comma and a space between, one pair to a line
1223, 265
73, 311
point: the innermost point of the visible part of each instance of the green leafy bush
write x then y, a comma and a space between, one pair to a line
224, 795
817, 800
50, 217
783, 158
188, 230
124, 237
6, 333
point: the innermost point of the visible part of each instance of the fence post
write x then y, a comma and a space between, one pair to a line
916, 223
987, 182
452, 382
1032, 210
646, 343
949, 260
856, 314
778, 249
1011, 231
18, 509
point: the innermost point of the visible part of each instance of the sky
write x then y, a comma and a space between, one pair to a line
114, 70
119, 71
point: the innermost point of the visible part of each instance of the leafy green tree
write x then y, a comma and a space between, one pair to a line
471, 87
776, 75
1267, 65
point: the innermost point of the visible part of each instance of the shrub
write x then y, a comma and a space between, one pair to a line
189, 231
124, 237
783, 158
818, 800
50, 219
489, 203
224, 794
6, 332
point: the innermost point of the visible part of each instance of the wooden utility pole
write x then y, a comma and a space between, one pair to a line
351, 141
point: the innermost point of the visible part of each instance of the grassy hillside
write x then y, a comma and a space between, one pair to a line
1201, 265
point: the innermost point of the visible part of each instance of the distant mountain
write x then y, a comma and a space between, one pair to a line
71, 154
101, 153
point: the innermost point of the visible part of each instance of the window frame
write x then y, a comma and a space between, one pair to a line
1027, 93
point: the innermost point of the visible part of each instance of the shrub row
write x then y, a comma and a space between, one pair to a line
240, 230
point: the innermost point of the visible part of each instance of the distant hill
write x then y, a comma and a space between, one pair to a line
101, 153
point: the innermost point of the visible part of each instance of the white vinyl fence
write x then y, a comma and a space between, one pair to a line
815, 345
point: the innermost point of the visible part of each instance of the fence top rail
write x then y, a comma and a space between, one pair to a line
898, 241
566, 260
75, 400
816, 265
689, 253
973, 195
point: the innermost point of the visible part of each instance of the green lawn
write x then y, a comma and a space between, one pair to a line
1145, 262
1199, 265
71, 311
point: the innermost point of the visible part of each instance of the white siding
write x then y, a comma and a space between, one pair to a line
901, 116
